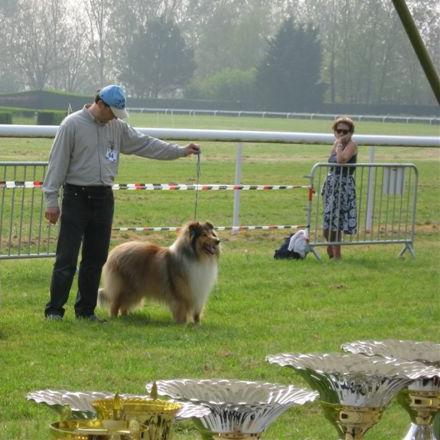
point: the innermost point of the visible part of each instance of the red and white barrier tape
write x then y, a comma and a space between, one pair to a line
192, 187
11, 184
217, 228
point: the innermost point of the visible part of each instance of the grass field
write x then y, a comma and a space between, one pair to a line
259, 307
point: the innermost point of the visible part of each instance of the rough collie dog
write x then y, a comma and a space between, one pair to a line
180, 276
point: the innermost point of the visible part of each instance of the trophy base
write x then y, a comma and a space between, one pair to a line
236, 436
422, 407
352, 422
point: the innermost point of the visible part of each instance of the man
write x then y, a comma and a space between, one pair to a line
84, 160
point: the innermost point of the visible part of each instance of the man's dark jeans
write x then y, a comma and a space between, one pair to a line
86, 216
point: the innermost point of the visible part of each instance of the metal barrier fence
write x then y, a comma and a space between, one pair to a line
24, 232
384, 208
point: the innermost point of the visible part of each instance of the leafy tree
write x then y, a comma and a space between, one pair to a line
226, 85
232, 35
158, 61
288, 78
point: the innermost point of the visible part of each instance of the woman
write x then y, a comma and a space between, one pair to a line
339, 191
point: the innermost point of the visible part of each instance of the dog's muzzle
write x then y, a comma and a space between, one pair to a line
212, 249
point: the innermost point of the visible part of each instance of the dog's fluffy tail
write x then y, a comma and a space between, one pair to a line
103, 299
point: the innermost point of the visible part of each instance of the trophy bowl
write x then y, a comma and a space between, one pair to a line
421, 398
238, 409
354, 390
78, 404
137, 408
157, 415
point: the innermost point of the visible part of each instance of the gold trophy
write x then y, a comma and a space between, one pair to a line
106, 416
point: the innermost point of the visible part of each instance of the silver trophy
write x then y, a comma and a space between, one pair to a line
354, 390
421, 398
239, 410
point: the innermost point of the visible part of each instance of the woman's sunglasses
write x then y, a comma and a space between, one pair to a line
342, 131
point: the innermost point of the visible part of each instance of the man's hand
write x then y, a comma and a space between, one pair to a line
192, 149
52, 214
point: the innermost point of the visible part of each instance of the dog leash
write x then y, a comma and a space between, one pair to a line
196, 205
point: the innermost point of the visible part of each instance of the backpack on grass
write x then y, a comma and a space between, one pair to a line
294, 247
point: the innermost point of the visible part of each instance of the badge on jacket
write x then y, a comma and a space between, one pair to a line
111, 154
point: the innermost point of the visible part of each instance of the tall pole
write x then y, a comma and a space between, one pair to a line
419, 46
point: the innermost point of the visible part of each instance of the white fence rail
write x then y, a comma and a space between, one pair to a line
286, 115
284, 137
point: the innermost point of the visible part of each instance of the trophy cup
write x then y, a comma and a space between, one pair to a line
421, 398
239, 410
354, 390
90, 415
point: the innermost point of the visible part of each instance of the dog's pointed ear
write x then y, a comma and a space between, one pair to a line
194, 229
209, 224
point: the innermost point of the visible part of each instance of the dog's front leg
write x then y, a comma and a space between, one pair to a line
114, 309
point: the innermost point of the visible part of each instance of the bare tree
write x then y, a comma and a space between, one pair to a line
75, 71
426, 14
9, 80
367, 56
37, 40
99, 16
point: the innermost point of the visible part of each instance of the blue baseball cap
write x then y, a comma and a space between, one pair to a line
114, 97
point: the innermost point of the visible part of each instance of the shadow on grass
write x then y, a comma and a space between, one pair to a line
146, 320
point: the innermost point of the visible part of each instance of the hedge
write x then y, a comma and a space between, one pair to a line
51, 100
5, 117
50, 118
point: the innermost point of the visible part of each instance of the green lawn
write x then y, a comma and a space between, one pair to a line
259, 307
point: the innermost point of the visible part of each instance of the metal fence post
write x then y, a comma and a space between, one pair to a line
371, 185
238, 161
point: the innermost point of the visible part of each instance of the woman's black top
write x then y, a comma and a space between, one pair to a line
342, 169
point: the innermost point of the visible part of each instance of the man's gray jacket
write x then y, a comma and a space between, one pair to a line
86, 152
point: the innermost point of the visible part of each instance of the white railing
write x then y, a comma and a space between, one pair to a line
285, 137
286, 115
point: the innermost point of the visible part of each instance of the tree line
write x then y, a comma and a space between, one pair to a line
282, 55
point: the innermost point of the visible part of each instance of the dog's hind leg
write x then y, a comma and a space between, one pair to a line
197, 314
123, 311
117, 305
180, 312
